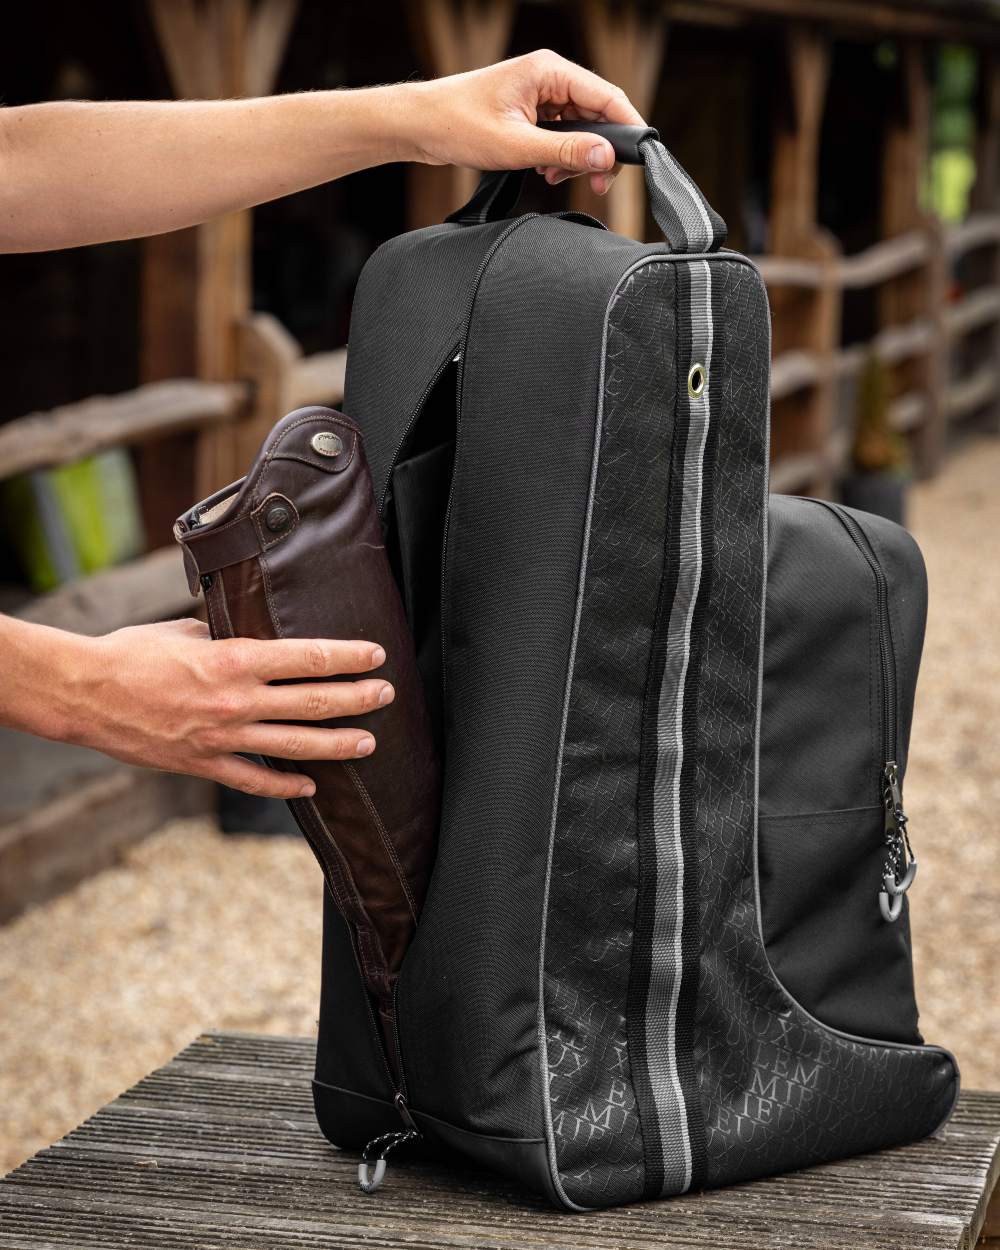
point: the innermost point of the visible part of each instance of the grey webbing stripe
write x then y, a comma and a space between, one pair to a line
678, 206
666, 957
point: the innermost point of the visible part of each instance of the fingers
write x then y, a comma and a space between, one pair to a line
240, 774
586, 91
575, 152
322, 700
281, 658
303, 742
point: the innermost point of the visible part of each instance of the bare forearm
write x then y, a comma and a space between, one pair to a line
42, 669
74, 173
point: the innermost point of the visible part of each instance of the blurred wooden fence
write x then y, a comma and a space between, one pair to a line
810, 436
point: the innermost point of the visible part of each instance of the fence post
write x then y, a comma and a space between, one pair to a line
625, 45
196, 283
453, 37
267, 356
805, 319
920, 293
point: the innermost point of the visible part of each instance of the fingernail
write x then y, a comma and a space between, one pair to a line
307, 791
597, 157
378, 657
365, 746
385, 695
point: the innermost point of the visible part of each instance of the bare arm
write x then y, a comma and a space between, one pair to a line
164, 695
167, 696
76, 172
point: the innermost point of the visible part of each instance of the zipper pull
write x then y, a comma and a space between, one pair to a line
899, 851
378, 1150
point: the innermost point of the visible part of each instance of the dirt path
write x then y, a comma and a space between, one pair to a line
195, 931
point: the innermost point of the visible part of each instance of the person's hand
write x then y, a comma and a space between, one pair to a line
486, 119
166, 696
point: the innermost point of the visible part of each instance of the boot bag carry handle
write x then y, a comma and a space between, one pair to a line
688, 221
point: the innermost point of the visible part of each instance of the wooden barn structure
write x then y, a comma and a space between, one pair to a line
809, 123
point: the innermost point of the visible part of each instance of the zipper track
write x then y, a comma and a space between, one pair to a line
887, 650
421, 403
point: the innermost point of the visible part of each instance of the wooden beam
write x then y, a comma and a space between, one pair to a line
918, 292
152, 588
197, 283
453, 36
795, 161
75, 834
74, 431
980, 229
625, 44
948, 19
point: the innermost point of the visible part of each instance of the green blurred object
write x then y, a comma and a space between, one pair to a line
877, 447
952, 167
72, 520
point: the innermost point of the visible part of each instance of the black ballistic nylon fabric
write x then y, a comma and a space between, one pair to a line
821, 839
775, 1088
592, 894
408, 318
468, 992
779, 1089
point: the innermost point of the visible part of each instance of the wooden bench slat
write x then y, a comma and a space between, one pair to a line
220, 1148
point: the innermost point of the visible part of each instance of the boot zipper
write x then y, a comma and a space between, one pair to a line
379, 1148
900, 865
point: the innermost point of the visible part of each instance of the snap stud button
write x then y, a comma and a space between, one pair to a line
696, 381
325, 443
277, 518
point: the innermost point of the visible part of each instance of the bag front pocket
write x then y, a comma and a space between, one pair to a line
827, 944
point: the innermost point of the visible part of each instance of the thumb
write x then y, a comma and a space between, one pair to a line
575, 151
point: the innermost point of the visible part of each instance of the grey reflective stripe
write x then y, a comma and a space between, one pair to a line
680, 209
666, 966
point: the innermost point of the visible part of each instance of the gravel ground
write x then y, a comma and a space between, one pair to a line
193, 930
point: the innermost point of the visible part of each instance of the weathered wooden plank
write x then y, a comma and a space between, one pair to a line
981, 229
319, 379
77, 833
793, 371
885, 260
978, 309
971, 393
219, 1148
150, 588
77, 430
789, 271
792, 474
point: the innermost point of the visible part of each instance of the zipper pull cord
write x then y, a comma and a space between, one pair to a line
900, 858
378, 1150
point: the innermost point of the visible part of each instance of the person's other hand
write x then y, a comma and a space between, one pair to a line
166, 696
486, 119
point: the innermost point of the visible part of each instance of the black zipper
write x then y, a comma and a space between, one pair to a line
438, 374
900, 864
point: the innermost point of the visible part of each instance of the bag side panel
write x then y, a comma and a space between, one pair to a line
821, 838
468, 991
595, 856
779, 1090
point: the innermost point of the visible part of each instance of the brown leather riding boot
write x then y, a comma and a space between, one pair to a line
295, 550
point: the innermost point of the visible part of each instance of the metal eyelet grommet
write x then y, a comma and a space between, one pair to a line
696, 381
277, 518
326, 443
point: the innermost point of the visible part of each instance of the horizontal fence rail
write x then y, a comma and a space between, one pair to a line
278, 377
